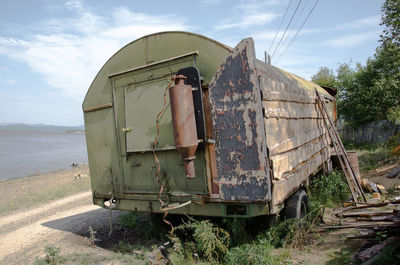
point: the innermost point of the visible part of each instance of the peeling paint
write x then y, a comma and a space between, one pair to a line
237, 121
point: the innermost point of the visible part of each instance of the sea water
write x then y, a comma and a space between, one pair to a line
24, 152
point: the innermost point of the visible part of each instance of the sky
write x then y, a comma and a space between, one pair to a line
51, 50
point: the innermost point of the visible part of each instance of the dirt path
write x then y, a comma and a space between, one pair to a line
63, 223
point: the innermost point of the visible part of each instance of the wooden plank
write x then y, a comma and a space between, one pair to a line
371, 225
279, 130
288, 97
282, 164
284, 187
290, 110
296, 141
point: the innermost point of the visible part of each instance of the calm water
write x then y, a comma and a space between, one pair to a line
24, 153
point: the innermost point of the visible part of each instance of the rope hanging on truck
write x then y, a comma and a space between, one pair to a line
156, 160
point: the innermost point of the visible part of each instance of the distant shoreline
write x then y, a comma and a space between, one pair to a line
40, 127
79, 165
76, 131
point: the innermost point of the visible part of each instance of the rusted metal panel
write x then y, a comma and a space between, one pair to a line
238, 127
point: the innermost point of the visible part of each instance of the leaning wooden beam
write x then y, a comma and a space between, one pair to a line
352, 181
370, 205
323, 228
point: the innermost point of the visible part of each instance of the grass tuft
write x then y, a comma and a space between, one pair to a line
52, 257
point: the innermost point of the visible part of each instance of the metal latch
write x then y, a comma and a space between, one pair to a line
210, 141
127, 129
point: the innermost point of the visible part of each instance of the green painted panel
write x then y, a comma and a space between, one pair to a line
142, 104
102, 151
140, 170
112, 161
144, 98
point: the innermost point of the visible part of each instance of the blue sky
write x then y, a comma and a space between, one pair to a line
50, 50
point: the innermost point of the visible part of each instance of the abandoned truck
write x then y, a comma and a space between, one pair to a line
180, 122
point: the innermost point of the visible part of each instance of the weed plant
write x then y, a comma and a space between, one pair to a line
209, 242
52, 257
328, 190
202, 241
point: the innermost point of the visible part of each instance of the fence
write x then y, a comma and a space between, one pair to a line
374, 132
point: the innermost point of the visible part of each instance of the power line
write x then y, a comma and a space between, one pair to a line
294, 13
287, 8
298, 31
291, 29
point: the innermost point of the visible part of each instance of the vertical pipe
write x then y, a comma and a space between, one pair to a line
184, 123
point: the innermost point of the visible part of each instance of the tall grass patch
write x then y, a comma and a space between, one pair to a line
199, 241
328, 190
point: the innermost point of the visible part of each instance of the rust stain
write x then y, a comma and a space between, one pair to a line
237, 120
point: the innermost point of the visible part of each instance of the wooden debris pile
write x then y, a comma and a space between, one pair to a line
375, 221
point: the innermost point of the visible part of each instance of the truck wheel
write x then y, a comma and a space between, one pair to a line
296, 205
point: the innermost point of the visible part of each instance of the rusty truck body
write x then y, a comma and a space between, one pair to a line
178, 121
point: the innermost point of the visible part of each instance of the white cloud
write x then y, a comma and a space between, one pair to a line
367, 22
12, 42
11, 81
211, 2
351, 40
268, 35
8, 81
254, 19
69, 57
251, 13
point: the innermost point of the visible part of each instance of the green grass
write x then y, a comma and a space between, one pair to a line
389, 256
254, 253
373, 156
328, 190
53, 257
34, 197
343, 257
370, 160
199, 241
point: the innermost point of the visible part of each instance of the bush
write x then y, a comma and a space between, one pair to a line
328, 190
209, 242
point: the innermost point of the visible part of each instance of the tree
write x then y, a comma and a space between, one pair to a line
387, 60
390, 20
371, 92
325, 77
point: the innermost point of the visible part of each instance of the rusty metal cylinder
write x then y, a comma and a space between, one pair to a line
184, 123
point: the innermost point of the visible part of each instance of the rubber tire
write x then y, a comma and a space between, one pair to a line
296, 206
